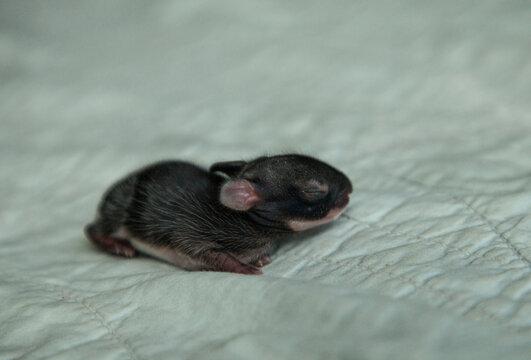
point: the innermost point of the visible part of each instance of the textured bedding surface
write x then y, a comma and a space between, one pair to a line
425, 105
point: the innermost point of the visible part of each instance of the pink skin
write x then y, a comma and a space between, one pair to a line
264, 260
300, 225
219, 260
114, 245
296, 225
213, 260
240, 195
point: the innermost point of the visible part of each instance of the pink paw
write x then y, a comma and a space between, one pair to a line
123, 248
264, 260
249, 270
222, 261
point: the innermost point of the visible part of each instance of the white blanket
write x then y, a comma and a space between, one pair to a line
425, 105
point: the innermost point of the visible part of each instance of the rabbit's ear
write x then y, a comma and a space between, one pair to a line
238, 195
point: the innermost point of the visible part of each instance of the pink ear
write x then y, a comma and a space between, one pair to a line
238, 195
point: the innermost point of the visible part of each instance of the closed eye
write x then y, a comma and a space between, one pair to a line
313, 194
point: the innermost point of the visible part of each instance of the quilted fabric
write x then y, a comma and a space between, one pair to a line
425, 105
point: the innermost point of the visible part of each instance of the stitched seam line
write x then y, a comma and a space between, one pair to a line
78, 300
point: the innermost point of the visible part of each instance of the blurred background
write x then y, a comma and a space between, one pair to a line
380, 89
425, 105
127, 81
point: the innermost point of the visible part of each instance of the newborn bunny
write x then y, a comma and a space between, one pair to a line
226, 219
